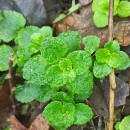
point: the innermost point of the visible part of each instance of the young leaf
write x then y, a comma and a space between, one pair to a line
34, 70
5, 53
114, 60
72, 39
125, 124
27, 92
101, 70
54, 77
83, 114
112, 46
102, 55
81, 61
91, 43
100, 19
53, 49
59, 115
45, 31
123, 9
82, 84
23, 41
10, 23
46, 93
95, 5
65, 64
62, 97
126, 61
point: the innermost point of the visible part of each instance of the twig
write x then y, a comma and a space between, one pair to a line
11, 86
112, 74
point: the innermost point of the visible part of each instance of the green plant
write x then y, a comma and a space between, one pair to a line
57, 71
124, 124
101, 10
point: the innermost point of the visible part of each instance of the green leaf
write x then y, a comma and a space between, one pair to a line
10, 23
112, 46
101, 70
83, 114
125, 124
82, 84
100, 19
59, 115
123, 9
62, 97
5, 53
72, 39
65, 64
114, 60
45, 31
102, 55
27, 92
95, 5
117, 126
126, 61
46, 93
23, 40
53, 49
54, 77
81, 61
34, 70
91, 43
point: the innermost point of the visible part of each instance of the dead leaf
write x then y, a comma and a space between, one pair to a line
83, 23
38, 124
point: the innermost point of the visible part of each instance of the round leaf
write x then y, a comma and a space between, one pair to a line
91, 43
81, 61
102, 54
83, 114
53, 49
125, 123
101, 70
59, 115
5, 53
10, 23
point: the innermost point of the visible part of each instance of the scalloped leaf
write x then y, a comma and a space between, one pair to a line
123, 9
23, 40
83, 114
27, 92
101, 70
34, 70
114, 60
82, 84
125, 124
62, 97
81, 61
10, 23
102, 54
100, 19
55, 77
126, 61
72, 39
91, 43
112, 46
46, 93
53, 49
5, 53
59, 115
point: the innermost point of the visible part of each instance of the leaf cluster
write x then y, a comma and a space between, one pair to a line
101, 10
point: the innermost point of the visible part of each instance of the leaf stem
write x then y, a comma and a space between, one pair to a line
112, 74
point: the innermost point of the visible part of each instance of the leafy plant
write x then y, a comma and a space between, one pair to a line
124, 124
101, 8
55, 70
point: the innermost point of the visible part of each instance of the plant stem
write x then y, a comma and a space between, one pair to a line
112, 74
